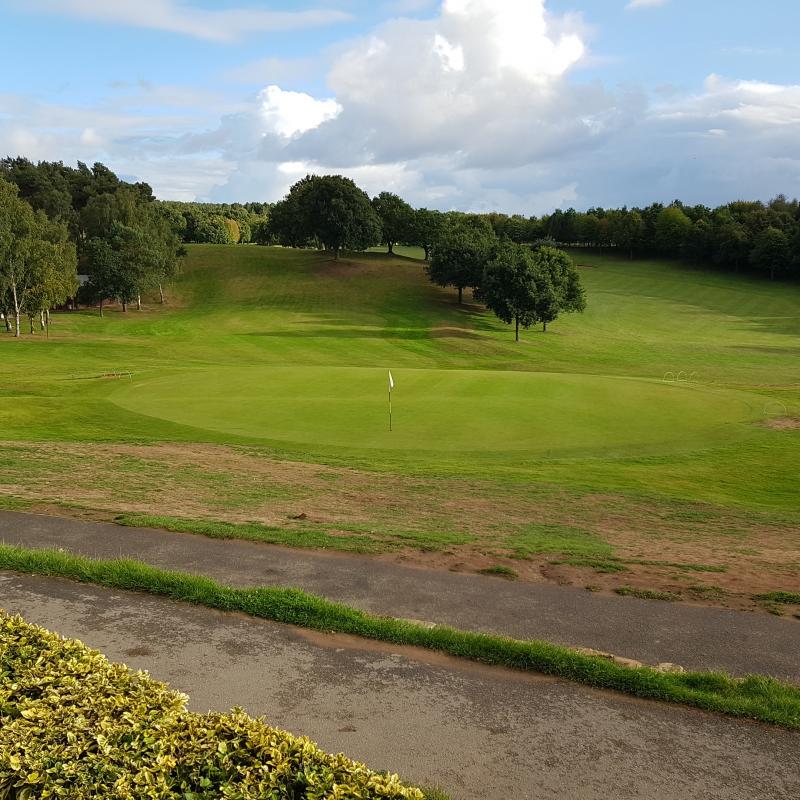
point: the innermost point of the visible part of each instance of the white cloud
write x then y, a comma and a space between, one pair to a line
291, 113
225, 25
634, 4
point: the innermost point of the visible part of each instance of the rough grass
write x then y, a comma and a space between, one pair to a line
755, 697
783, 598
647, 594
500, 571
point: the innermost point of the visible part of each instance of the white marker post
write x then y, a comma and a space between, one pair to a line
391, 386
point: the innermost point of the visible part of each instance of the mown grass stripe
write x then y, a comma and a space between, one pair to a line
755, 697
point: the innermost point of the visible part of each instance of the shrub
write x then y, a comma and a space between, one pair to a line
74, 725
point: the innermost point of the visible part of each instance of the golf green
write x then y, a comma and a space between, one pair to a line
444, 410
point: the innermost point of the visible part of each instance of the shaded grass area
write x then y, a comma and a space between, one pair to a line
754, 697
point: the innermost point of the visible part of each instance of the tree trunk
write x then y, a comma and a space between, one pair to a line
138, 302
41, 319
427, 250
16, 307
47, 317
30, 321
460, 294
391, 248
161, 292
516, 319
7, 320
124, 306
101, 306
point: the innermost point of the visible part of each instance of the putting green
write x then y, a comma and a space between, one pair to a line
446, 411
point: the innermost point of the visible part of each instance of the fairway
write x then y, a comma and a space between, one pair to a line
445, 410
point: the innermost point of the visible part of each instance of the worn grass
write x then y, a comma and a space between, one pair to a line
754, 697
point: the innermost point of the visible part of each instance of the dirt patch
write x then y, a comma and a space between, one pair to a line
783, 423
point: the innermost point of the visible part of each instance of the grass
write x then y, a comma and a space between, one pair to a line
754, 697
500, 571
646, 594
284, 354
783, 598
535, 539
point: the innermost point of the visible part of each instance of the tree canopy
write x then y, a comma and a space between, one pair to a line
329, 210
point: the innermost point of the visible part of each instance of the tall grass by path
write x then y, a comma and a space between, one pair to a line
755, 697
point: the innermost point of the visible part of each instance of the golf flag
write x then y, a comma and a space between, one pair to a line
391, 381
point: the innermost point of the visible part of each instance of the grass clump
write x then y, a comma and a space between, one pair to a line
500, 571
101, 730
758, 698
647, 594
603, 565
782, 598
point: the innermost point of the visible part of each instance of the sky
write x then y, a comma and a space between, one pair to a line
519, 106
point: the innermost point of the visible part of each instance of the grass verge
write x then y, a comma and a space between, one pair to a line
754, 697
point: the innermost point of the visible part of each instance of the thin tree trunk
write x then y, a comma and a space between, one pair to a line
138, 302
460, 294
30, 321
544, 327
101, 306
516, 319
16, 307
7, 320
47, 317
391, 248
427, 250
41, 319
124, 305
161, 292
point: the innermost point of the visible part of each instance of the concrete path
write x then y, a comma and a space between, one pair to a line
476, 731
648, 630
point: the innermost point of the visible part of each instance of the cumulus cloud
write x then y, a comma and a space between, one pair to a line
225, 25
291, 113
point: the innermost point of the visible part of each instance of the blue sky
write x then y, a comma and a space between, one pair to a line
516, 105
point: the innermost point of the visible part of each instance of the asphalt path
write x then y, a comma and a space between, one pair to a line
651, 631
476, 731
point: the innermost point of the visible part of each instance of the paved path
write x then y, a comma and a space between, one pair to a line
476, 731
648, 630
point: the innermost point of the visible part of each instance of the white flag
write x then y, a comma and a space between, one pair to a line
391, 381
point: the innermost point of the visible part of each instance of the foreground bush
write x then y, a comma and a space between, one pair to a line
73, 725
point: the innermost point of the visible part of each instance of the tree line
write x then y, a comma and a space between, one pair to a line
57, 221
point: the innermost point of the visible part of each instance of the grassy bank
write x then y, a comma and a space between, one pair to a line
754, 697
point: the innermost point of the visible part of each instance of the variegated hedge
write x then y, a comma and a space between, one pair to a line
73, 725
